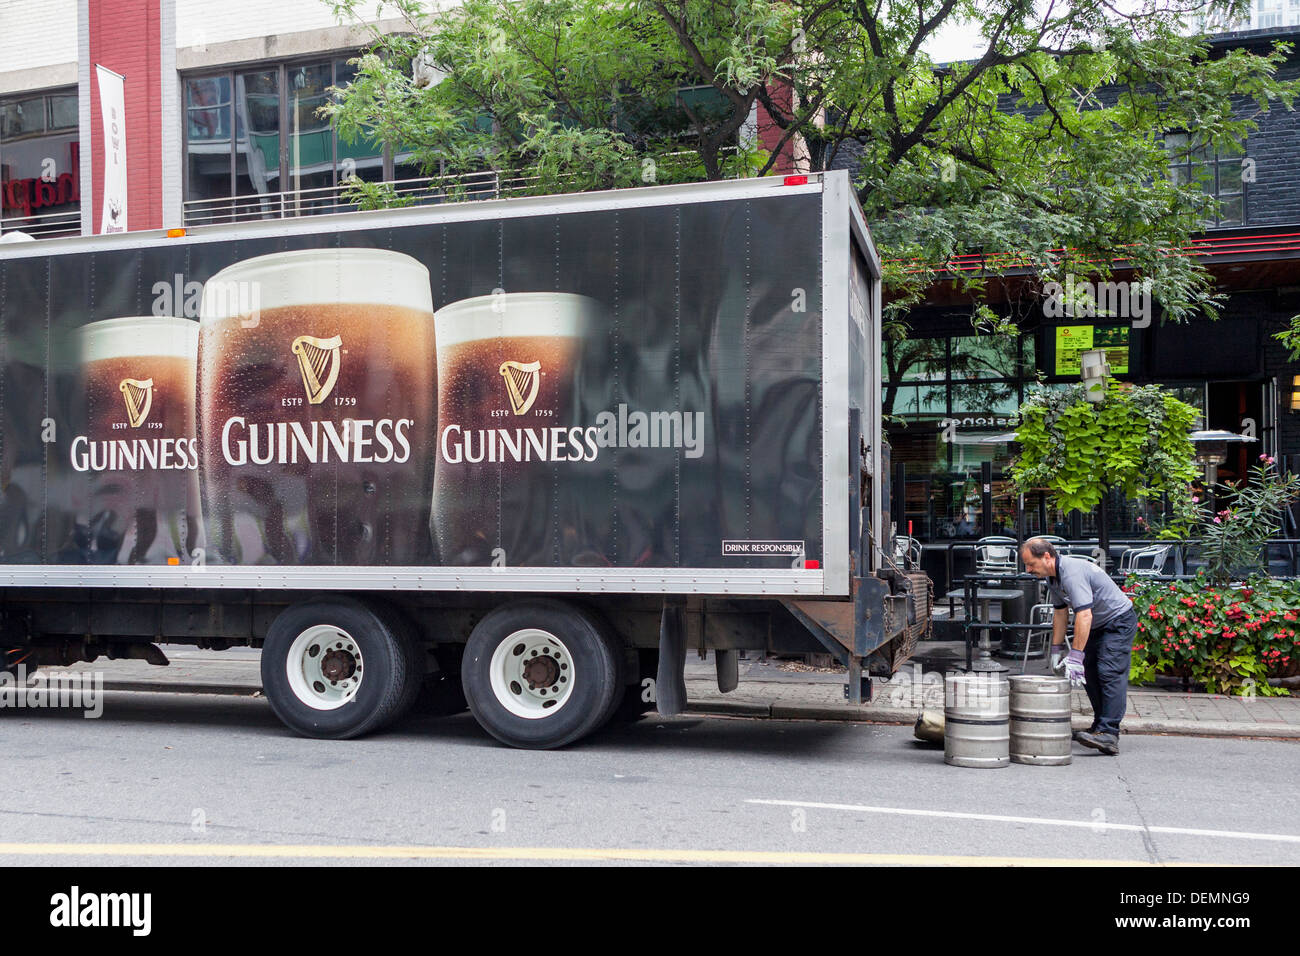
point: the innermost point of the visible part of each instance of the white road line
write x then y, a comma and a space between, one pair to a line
1041, 821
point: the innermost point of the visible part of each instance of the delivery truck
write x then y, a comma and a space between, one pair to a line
517, 455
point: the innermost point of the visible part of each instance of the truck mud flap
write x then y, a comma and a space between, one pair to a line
670, 680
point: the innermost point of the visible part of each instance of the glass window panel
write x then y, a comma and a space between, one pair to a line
20, 118
1231, 212
1193, 395
985, 356
919, 448
63, 111
207, 132
364, 158
923, 401
257, 132
26, 188
986, 400
311, 138
918, 360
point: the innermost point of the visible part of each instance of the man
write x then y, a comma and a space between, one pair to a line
1104, 627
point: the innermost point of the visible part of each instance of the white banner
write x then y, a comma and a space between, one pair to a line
111, 105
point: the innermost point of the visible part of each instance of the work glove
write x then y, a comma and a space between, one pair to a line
1074, 667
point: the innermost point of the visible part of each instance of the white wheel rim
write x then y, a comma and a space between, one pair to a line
532, 674
324, 667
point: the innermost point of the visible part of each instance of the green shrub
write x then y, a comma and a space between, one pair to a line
1229, 639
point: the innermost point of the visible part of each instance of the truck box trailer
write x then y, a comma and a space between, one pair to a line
531, 451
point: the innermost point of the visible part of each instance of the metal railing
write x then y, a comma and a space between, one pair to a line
424, 191
46, 226
420, 191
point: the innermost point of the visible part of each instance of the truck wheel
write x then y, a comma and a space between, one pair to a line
334, 668
409, 642
541, 674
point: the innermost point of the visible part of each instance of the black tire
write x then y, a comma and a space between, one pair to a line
587, 702
386, 674
412, 649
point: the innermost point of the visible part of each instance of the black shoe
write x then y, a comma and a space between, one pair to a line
1106, 743
1074, 734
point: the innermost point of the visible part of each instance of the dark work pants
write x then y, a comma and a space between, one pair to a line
1106, 670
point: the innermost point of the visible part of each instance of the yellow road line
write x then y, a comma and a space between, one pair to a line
588, 854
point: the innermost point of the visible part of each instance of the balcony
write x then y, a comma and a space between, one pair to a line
426, 191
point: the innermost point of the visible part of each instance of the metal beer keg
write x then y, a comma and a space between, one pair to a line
976, 714
1040, 720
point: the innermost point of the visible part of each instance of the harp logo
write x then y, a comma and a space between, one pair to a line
522, 381
318, 361
138, 395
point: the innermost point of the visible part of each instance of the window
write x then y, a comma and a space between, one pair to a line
1220, 177
255, 142
1268, 13
40, 161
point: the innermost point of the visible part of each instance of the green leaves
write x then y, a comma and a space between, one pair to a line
1136, 441
1044, 151
1234, 537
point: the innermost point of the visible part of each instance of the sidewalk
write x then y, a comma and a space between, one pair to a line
776, 690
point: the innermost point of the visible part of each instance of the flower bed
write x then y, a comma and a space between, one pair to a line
1228, 639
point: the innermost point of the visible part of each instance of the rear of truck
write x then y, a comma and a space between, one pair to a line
517, 455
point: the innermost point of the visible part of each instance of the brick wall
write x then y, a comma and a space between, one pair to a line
769, 134
124, 37
1274, 197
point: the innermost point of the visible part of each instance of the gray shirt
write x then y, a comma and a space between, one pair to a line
1082, 585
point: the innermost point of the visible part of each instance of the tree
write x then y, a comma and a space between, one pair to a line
1137, 441
1044, 152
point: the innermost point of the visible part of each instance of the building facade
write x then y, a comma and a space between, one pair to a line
219, 111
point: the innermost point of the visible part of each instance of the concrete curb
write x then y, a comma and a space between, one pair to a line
786, 711
180, 687
1132, 725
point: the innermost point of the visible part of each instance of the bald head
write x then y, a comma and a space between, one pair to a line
1039, 557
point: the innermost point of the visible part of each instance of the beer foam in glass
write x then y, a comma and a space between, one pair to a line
317, 384
507, 365
139, 444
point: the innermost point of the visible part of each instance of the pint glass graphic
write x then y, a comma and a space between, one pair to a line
507, 422
136, 441
317, 377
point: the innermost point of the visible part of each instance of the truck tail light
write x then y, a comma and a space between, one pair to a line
796, 181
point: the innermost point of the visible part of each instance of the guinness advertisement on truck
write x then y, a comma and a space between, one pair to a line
515, 455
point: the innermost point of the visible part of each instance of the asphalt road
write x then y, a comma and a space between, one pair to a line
178, 779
